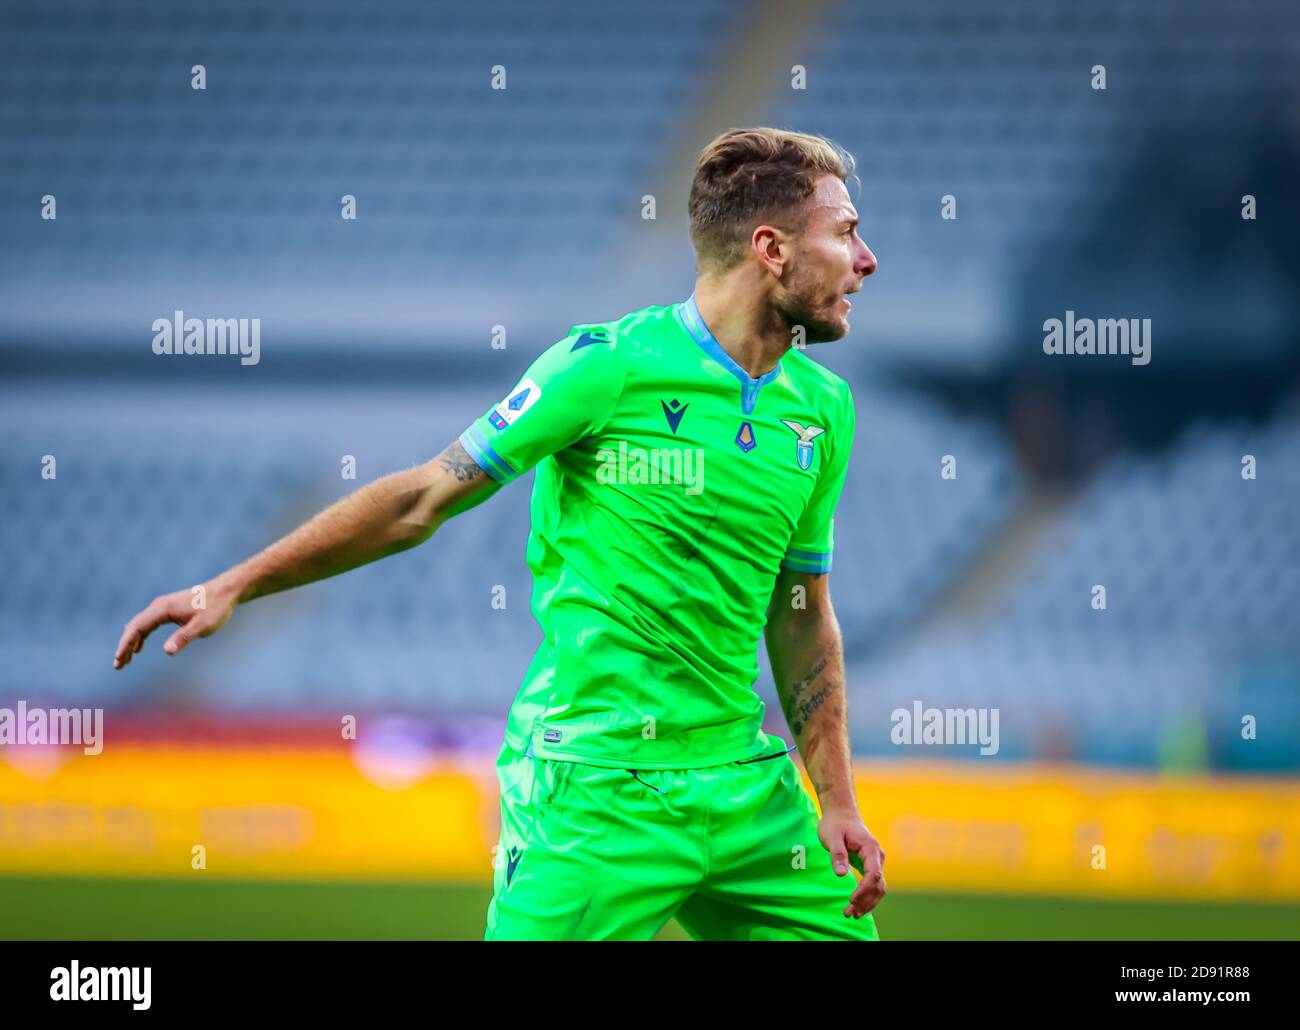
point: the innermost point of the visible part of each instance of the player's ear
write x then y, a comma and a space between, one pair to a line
770, 245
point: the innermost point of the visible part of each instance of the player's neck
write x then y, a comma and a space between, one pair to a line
750, 333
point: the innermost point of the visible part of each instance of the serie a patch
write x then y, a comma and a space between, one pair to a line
521, 398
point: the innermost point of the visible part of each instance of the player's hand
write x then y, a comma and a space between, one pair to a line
847, 839
199, 611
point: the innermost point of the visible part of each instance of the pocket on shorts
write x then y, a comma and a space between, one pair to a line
767, 758
646, 779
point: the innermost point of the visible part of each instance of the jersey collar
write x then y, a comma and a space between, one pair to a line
688, 313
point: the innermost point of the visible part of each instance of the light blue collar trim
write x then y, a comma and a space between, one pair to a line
689, 313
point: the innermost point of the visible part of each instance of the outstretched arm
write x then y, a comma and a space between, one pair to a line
392, 514
807, 655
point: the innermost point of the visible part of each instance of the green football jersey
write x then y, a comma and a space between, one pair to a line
670, 489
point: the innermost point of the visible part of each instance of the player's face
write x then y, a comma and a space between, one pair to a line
828, 260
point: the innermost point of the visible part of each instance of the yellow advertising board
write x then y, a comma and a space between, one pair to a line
165, 810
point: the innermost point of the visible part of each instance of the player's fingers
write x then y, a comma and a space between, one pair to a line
867, 895
871, 884
867, 853
125, 648
839, 856
179, 640
134, 634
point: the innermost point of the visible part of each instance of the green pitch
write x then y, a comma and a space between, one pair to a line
125, 909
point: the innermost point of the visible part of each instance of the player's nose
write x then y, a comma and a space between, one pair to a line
866, 263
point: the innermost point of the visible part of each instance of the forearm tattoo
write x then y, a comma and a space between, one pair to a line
799, 704
458, 462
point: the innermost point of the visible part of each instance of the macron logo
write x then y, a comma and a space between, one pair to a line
588, 338
96, 983
673, 413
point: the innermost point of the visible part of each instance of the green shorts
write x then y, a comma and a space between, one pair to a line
731, 851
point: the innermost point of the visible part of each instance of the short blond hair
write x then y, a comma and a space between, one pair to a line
748, 176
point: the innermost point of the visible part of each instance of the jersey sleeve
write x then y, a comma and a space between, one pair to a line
813, 541
567, 393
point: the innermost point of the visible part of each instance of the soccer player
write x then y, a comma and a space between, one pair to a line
689, 459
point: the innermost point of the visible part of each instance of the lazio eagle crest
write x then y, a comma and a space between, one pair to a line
806, 434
